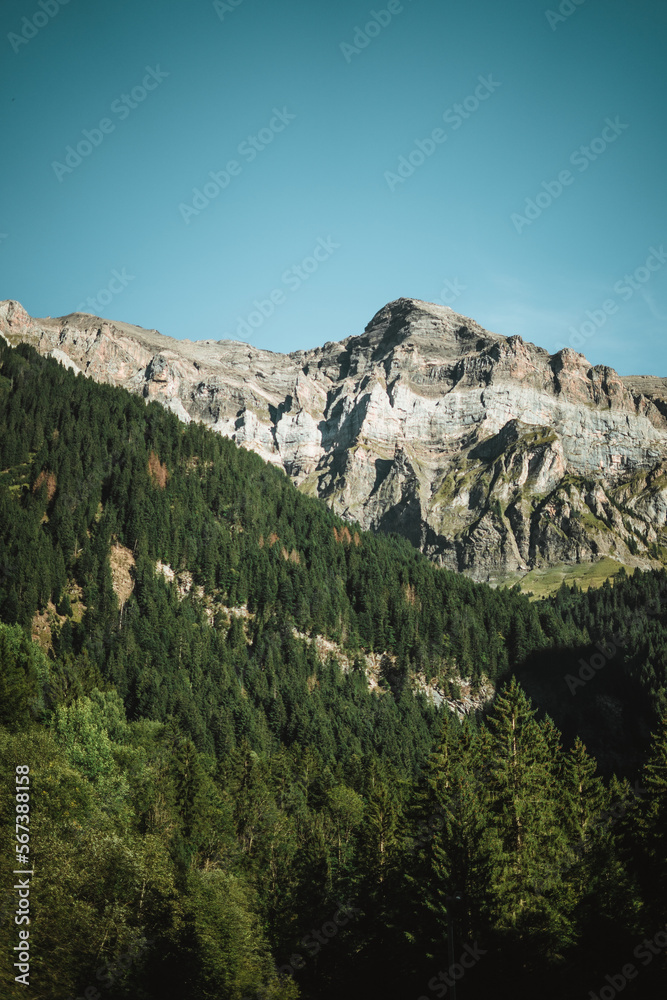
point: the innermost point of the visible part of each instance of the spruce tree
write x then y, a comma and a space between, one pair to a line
651, 827
528, 903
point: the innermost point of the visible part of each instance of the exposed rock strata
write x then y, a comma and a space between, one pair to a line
488, 453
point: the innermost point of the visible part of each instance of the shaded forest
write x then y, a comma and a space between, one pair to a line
218, 809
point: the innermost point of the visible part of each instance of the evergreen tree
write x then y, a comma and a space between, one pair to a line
18, 679
529, 904
651, 826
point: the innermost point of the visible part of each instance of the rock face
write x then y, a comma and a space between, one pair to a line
488, 453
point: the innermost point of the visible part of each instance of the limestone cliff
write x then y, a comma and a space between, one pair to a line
488, 453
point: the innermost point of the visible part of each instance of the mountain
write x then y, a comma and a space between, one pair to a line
492, 456
211, 695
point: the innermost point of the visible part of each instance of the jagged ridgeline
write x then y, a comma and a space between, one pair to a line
493, 457
125, 535
98, 489
241, 785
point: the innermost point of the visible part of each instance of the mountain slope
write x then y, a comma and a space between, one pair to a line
213, 777
489, 454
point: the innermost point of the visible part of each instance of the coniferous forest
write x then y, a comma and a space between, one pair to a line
238, 785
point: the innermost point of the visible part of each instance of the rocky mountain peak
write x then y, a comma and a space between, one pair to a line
490, 454
424, 326
13, 317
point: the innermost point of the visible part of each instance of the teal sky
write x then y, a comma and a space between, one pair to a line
305, 115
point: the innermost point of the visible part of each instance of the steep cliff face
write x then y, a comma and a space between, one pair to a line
488, 453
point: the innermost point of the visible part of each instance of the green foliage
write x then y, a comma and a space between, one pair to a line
21, 669
220, 811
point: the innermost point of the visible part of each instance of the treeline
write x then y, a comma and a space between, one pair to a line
98, 463
220, 813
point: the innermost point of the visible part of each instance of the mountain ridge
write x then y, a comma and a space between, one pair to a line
491, 455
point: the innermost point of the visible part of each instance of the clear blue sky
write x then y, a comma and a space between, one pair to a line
330, 172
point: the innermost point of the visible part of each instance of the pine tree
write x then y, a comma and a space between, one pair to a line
651, 826
584, 795
528, 902
18, 681
450, 841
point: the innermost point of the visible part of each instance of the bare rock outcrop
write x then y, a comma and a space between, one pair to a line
488, 453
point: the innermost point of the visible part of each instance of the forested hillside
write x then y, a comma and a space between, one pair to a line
218, 809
